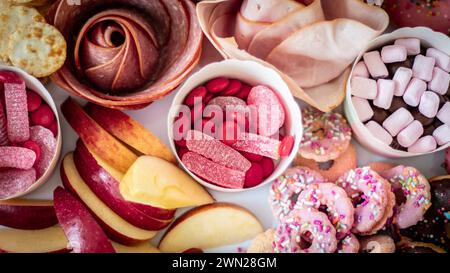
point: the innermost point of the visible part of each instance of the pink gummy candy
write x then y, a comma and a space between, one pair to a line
3, 130
215, 150
47, 142
14, 182
213, 172
227, 101
17, 112
16, 157
256, 144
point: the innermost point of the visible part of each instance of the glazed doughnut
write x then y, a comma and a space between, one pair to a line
349, 244
370, 195
263, 243
325, 135
305, 231
332, 169
380, 167
377, 244
409, 183
283, 195
331, 200
407, 246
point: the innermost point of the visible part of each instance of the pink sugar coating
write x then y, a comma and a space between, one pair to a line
17, 112
3, 130
256, 144
16, 157
13, 182
226, 101
47, 142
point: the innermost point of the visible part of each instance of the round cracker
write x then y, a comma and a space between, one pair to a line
39, 49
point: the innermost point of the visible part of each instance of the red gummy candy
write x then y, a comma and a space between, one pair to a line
252, 157
30, 144
181, 151
286, 145
254, 176
10, 77
197, 93
227, 103
229, 132
18, 125
268, 166
43, 116
208, 98
181, 126
233, 87
54, 128
243, 93
217, 85
197, 112
33, 101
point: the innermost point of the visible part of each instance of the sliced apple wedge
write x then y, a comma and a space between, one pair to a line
27, 214
116, 227
129, 131
140, 248
46, 240
158, 183
96, 138
106, 187
210, 226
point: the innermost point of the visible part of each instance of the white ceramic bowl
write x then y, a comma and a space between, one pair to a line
35, 85
253, 74
428, 38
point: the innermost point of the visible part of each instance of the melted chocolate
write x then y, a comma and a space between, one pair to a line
379, 115
392, 67
421, 118
397, 103
395, 145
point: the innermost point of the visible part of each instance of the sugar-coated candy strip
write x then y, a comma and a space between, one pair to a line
16, 157
17, 112
13, 182
256, 144
47, 142
3, 130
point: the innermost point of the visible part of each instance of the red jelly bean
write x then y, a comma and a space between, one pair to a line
54, 128
181, 126
197, 93
241, 119
217, 85
233, 87
252, 157
207, 127
230, 131
208, 98
197, 112
254, 176
182, 151
30, 144
43, 116
33, 101
286, 146
267, 166
243, 93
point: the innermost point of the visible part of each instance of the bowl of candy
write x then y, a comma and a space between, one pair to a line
398, 95
30, 138
234, 126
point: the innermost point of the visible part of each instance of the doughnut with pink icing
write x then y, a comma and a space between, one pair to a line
326, 135
333, 201
305, 231
349, 244
283, 196
408, 183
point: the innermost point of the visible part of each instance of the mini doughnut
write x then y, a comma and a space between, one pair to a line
326, 135
409, 183
349, 244
377, 244
331, 169
380, 167
370, 195
407, 246
331, 200
263, 242
305, 231
283, 195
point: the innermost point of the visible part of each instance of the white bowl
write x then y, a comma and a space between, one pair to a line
35, 85
428, 38
253, 74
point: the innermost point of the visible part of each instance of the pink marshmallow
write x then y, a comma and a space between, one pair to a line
429, 104
385, 93
398, 121
364, 88
440, 81
423, 67
393, 54
360, 70
414, 92
362, 108
375, 65
379, 132
442, 134
442, 59
412, 45
444, 113
425, 144
410, 134
401, 78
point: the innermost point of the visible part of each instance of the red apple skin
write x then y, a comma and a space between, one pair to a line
27, 217
84, 234
107, 189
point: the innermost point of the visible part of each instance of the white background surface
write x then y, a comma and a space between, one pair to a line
154, 118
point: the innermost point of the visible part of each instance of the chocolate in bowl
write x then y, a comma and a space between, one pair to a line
126, 54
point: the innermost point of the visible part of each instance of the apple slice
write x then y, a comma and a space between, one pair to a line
158, 183
128, 130
210, 226
116, 227
27, 214
140, 248
96, 138
47, 240
106, 188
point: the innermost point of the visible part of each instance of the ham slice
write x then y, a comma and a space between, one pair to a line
125, 54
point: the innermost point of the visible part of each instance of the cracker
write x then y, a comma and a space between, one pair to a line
40, 49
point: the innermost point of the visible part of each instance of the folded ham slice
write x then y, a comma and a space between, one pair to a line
310, 43
126, 53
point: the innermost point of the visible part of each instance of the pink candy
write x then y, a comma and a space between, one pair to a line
227, 101
397, 121
47, 142
375, 65
429, 104
444, 113
414, 92
385, 93
14, 182
364, 88
379, 132
256, 144
442, 59
423, 67
213, 172
412, 45
215, 150
401, 78
440, 81
442, 134
423, 145
360, 70
16, 157
17, 112
362, 108
410, 134
393, 53
3, 130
